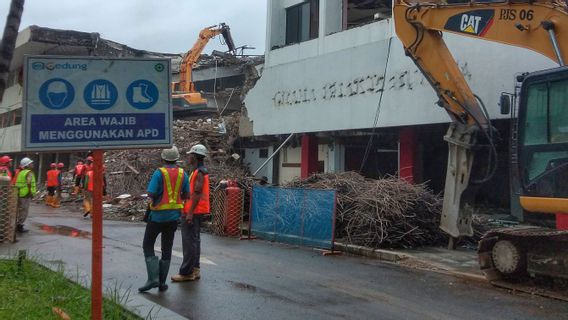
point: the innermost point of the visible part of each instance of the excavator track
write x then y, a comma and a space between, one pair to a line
526, 258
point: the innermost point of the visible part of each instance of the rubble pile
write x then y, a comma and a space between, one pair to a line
129, 171
387, 212
483, 223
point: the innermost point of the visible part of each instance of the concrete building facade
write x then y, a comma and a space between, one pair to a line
336, 75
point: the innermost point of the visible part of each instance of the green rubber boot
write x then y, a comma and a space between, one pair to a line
153, 269
164, 268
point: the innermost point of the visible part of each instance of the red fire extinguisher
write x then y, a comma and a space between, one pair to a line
233, 209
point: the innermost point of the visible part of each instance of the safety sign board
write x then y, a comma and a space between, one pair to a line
86, 103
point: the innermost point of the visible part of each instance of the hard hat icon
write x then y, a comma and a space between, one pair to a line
57, 93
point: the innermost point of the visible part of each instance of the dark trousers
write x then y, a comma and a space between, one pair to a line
191, 243
51, 191
168, 230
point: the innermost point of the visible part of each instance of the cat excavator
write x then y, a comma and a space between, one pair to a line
184, 95
514, 253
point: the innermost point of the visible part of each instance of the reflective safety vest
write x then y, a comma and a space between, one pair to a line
88, 181
79, 169
203, 205
22, 184
5, 172
53, 178
171, 195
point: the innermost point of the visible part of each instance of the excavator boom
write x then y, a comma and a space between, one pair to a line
537, 25
184, 90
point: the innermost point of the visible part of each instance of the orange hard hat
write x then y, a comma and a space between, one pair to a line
53, 165
60, 165
5, 160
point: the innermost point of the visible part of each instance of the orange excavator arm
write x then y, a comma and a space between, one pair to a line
192, 56
419, 25
538, 25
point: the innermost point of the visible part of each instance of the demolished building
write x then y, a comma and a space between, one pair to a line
221, 79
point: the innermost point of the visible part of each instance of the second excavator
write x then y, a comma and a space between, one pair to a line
184, 95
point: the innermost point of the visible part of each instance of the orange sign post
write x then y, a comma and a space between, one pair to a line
97, 243
81, 104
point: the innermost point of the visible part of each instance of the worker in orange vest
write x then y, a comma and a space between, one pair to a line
58, 197
5, 167
78, 174
89, 163
87, 191
53, 183
195, 208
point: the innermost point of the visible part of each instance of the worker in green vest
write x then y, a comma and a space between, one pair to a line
26, 184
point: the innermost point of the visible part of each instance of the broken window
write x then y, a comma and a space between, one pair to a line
302, 22
361, 12
17, 116
4, 120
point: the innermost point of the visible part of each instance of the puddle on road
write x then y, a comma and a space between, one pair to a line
64, 231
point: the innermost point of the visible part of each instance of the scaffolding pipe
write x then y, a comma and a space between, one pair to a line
274, 153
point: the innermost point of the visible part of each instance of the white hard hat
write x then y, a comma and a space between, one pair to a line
170, 154
25, 162
198, 149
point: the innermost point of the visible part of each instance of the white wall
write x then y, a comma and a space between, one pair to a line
254, 162
291, 156
11, 139
295, 92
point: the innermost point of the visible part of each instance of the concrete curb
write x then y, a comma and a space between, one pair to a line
381, 254
394, 257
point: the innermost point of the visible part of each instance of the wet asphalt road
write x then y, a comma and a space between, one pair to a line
262, 280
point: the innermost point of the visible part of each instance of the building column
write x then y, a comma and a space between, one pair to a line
309, 163
407, 156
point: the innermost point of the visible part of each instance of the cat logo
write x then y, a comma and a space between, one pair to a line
475, 22
470, 24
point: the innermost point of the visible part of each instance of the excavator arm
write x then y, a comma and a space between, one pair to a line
539, 25
192, 56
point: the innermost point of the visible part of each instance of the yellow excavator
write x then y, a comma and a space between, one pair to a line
514, 253
184, 95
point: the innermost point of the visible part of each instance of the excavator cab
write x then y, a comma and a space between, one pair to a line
543, 141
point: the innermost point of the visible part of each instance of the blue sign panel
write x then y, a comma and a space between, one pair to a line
100, 127
78, 103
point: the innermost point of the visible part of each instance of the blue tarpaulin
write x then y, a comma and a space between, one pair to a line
295, 216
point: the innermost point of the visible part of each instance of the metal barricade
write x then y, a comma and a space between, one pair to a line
8, 211
227, 211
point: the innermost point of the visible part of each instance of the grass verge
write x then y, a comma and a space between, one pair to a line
31, 291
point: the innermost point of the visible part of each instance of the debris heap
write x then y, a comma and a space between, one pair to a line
387, 212
129, 171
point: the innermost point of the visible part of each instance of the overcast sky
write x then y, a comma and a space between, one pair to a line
156, 25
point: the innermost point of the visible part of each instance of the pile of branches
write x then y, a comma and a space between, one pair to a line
387, 212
